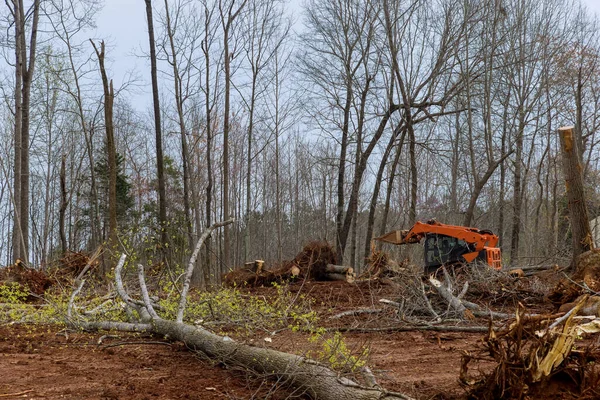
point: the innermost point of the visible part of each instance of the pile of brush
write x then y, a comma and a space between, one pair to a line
32, 280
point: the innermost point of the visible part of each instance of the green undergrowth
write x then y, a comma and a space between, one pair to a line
231, 309
337, 354
226, 311
18, 305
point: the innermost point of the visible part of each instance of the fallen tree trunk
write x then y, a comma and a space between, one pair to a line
411, 328
312, 378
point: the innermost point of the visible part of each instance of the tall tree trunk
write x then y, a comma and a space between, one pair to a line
412, 213
225, 194
249, 163
340, 240
377, 187
390, 185
517, 198
24, 70
277, 175
500, 228
479, 184
228, 16
209, 169
359, 172
17, 239
183, 131
88, 136
162, 202
109, 97
64, 202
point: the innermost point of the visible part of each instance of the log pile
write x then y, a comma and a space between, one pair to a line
316, 261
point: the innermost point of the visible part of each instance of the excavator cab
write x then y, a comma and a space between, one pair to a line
444, 250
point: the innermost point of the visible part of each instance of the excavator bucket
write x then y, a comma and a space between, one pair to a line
393, 237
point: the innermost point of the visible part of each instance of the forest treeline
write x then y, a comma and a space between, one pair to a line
349, 119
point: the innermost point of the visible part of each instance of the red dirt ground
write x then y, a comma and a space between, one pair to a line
36, 363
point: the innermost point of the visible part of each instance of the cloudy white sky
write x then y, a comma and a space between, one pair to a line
122, 23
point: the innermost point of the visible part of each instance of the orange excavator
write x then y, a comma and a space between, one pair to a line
449, 244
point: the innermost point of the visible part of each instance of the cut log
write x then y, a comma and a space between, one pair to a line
340, 277
516, 273
294, 271
339, 269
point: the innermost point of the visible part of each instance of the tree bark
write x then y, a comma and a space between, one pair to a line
376, 189
64, 202
228, 17
580, 227
479, 185
390, 186
17, 239
360, 170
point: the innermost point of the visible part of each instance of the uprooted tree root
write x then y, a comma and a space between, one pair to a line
380, 265
533, 361
73, 262
37, 282
585, 279
310, 263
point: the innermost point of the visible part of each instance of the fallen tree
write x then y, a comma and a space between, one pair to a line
303, 374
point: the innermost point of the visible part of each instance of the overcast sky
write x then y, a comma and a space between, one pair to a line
122, 24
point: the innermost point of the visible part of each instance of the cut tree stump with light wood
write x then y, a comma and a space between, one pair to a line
578, 213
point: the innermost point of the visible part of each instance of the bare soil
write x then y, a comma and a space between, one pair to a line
37, 362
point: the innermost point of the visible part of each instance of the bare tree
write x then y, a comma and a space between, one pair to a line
162, 206
229, 11
24, 74
109, 97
